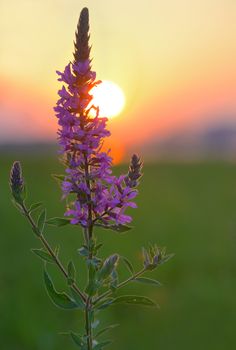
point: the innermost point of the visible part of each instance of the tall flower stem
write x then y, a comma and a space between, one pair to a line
88, 305
89, 234
50, 251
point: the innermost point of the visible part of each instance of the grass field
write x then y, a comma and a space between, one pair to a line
190, 208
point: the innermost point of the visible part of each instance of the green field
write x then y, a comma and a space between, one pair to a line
190, 208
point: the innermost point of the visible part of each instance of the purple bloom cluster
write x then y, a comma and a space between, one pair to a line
100, 197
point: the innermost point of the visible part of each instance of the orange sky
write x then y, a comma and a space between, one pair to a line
174, 60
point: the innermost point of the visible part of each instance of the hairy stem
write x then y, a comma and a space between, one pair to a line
120, 285
51, 252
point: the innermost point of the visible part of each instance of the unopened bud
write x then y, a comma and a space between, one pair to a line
134, 174
17, 182
108, 266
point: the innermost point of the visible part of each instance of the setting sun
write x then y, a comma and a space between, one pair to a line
109, 97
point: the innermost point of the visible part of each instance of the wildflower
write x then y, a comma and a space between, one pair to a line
100, 196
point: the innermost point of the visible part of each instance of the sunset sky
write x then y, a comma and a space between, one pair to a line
175, 61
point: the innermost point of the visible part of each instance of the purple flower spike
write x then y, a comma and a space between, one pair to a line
100, 197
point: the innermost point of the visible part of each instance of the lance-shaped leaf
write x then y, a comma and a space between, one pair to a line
35, 206
77, 298
83, 251
58, 222
104, 304
77, 339
41, 221
61, 300
92, 287
71, 273
148, 281
93, 283
128, 264
117, 228
101, 345
95, 324
114, 280
44, 255
134, 299
104, 330
166, 258
59, 178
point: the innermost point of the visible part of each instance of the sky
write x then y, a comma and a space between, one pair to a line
173, 59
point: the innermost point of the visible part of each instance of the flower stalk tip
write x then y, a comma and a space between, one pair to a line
135, 171
82, 47
17, 182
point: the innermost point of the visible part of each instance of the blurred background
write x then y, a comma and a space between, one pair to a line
175, 62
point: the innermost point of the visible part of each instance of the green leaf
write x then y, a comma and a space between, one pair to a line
36, 231
134, 299
121, 228
114, 280
148, 281
166, 258
104, 304
77, 298
97, 247
92, 287
56, 250
17, 206
35, 206
104, 330
117, 228
96, 262
41, 221
102, 345
77, 339
95, 324
61, 300
58, 222
128, 264
59, 178
83, 251
44, 255
71, 273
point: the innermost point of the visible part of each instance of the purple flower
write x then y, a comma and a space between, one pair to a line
100, 197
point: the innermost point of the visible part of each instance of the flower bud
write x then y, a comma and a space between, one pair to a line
17, 183
153, 257
82, 47
108, 266
134, 174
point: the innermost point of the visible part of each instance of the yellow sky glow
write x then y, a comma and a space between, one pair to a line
174, 59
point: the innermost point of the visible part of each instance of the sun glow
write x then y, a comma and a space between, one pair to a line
109, 98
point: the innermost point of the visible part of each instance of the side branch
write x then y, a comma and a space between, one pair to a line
120, 285
51, 252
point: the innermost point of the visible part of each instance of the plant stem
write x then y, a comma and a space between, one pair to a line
88, 233
51, 252
90, 216
88, 326
120, 285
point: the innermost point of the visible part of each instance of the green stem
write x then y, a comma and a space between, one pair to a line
88, 326
120, 285
51, 252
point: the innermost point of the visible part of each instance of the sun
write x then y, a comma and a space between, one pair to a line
109, 97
